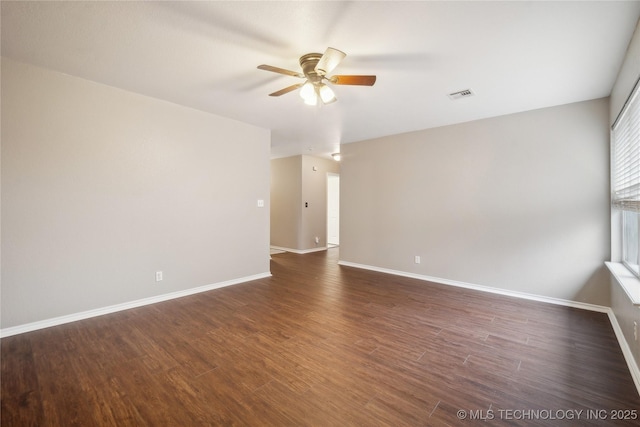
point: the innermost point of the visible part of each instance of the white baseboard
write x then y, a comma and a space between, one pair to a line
626, 351
624, 346
20, 329
300, 251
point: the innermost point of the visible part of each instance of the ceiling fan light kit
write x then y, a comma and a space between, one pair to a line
315, 68
327, 95
311, 92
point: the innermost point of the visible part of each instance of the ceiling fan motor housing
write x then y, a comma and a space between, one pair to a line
308, 63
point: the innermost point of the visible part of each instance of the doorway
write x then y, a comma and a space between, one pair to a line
333, 209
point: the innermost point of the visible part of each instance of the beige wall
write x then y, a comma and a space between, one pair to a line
627, 76
626, 313
517, 202
294, 182
102, 187
286, 199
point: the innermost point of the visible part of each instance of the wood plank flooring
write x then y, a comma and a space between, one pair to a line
322, 345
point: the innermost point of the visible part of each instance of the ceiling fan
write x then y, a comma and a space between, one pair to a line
315, 68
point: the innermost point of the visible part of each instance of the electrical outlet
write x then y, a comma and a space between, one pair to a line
416, 259
317, 240
158, 276
635, 331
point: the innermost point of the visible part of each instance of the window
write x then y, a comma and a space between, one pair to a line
625, 176
630, 241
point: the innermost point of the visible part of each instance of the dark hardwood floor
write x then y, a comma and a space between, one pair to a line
323, 345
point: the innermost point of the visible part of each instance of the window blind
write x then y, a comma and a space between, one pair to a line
626, 156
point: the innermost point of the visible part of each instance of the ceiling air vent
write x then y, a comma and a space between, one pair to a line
461, 94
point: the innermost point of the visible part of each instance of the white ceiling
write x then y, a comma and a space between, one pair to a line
516, 56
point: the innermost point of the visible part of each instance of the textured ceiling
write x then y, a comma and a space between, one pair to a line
516, 56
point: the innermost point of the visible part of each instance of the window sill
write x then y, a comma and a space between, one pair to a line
626, 279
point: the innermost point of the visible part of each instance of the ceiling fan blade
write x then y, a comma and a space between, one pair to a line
280, 70
329, 61
286, 90
353, 80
